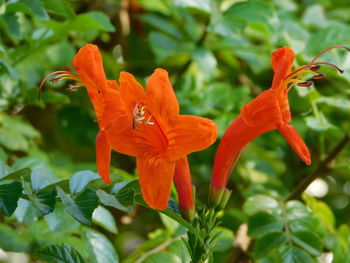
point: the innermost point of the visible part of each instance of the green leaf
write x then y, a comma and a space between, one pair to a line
337, 102
319, 125
9, 195
294, 255
4, 66
321, 210
80, 181
59, 7
4, 170
268, 243
262, 223
10, 240
177, 217
45, 200
61, 254
124, 192
13, 140
13, 25
205, 60
21, 126
100, 248
308, 241
93, 20
200, 5
82, 207
110, 200
37, 8
250, 11
336, 34
162, 257
26, 211
258, 203
60, 219
102, 217
224, 240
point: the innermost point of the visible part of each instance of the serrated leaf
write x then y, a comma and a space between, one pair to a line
308, 241
45, 200
102, 217
10, 240
100, 248
61, 254
110, 200
269, 242
9, 196
82, 207
295, 255
262, 223
80, 180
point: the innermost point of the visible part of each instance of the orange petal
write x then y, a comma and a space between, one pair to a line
112, 107
88, 64
160, 97
295, 141
131, 91
190, 134
103, 156
155, 175
282, 62
183, 184
236, 137
126, 140
264, 110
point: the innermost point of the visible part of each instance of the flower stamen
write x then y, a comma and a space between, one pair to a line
62, 74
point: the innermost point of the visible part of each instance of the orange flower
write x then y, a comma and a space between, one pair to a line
103, 94
152, 130
183, 184
269, 111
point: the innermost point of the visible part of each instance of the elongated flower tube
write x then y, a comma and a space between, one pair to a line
268, 111
103, 93
183, 184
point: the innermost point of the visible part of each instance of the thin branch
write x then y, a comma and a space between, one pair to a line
321, 169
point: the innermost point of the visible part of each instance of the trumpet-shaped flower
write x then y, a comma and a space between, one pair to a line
268, 111
103, 93
152, 130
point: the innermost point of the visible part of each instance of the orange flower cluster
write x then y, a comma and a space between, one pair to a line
146, 124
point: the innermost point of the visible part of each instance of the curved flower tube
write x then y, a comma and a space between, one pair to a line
268, 111
183, 184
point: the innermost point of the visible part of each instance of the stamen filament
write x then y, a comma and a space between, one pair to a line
55, 73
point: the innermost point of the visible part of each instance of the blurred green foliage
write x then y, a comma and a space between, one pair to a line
218, 57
